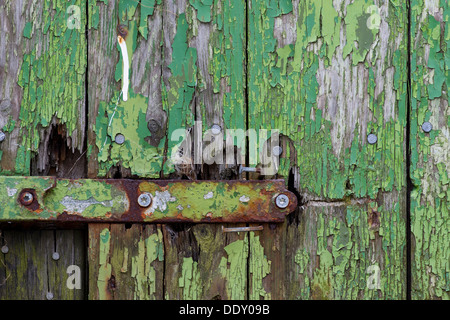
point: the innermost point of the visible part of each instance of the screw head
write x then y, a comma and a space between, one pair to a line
5, 249
119, 139
372, 138
55, 256
144, 200
2, 136
216, 129
49, 296
26, 198
427, 126
277, 150
282, 201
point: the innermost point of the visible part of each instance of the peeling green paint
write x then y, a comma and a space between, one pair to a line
104, 271
430, 162
149, 250
233, 267
190, 279
260, 267
52, 77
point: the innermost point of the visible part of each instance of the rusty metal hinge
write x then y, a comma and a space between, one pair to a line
124, 200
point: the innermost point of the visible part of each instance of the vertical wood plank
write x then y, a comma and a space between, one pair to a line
126, 263
430, 162
29, 270
328, 74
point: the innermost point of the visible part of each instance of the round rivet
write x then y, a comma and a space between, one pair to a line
2, 136
144, 200
119, 139
277, 150
49, 296
427, 127
372, 139
282, 201
215, 129
5, 249
55, 256
26, 198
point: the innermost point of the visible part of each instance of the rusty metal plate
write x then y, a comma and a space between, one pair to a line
124, 200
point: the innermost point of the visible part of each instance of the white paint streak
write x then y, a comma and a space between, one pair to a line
160, 201
209, 195
244, 199
78, 206
11, 191
126, 67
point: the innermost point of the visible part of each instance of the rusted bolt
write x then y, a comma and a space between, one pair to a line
153, 126
277, 150
26, 198
5, 249
144, 200
427, 126
122, 30
2, 136
216, 129
119, 139
372, 138
55, 256
282, 201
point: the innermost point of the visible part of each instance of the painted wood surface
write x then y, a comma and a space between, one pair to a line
326, 74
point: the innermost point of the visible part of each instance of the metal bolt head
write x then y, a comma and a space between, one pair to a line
119, 139
282, 201
372, 138
49, 296
2, 136
5, 249
216, 129
55, 256
26, 198
277, 150
427, 126
144, 200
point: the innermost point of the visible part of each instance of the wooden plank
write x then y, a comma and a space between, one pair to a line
42, 102
126, 262
141, 118
204, 77
29, 269
430, 162
203, 263
43, 63
327, 75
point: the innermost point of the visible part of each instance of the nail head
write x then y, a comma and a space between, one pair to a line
372, 138
2, 136
215, 129
5, 249
277, 150
119, 139
144, 200
427, 126
55, 256
282, 201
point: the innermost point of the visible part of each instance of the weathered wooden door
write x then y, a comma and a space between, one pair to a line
357, 89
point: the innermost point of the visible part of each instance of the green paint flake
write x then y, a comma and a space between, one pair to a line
190, 279
142, 269
260, 267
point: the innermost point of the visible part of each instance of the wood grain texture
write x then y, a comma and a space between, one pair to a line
125, 263
324, 76
43, 82
430, 162
28, 271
